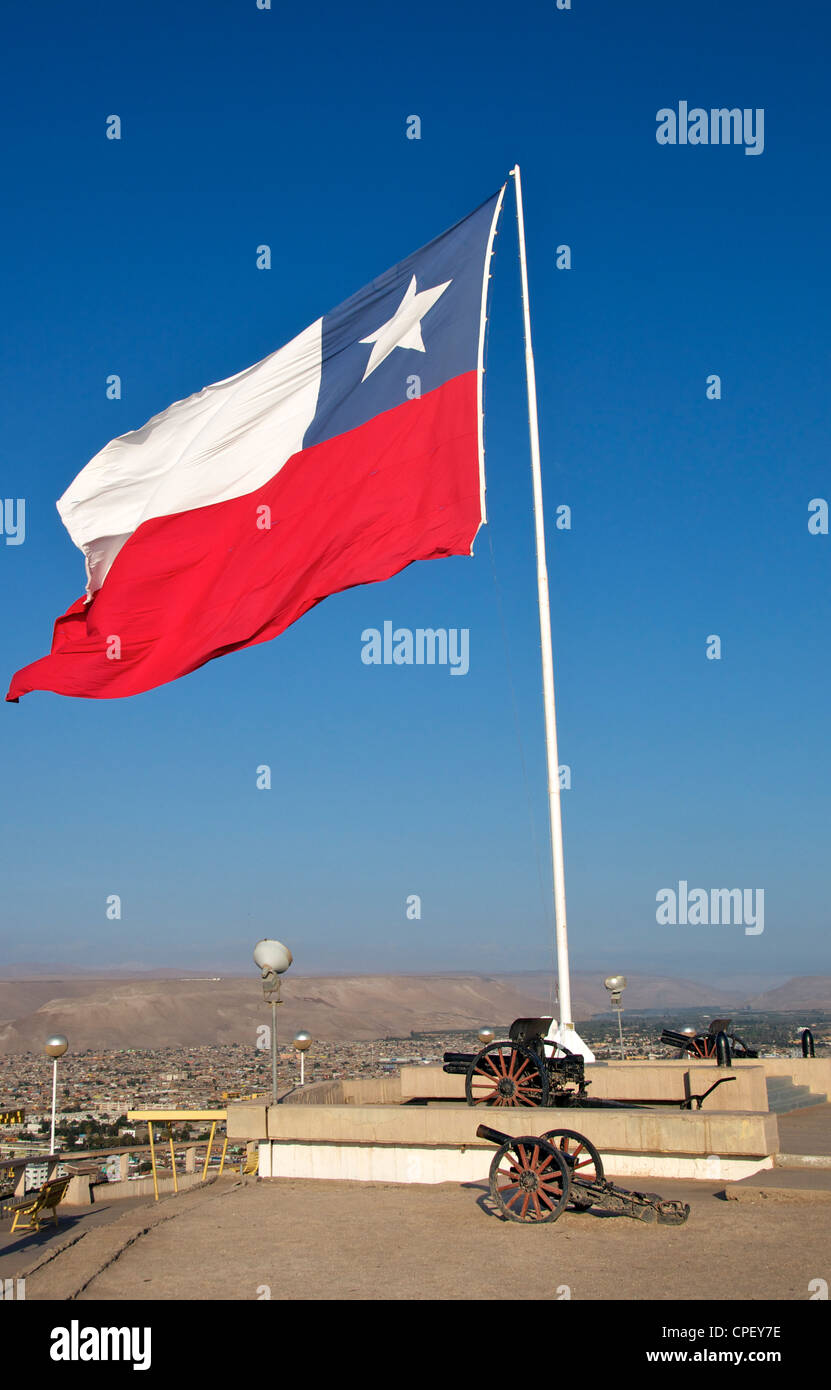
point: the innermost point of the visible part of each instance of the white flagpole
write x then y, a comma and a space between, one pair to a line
561, 931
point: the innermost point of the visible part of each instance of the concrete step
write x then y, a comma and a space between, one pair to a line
784, 1096
807, 1185
822, 1161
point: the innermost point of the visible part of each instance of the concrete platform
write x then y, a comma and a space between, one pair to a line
745, 1088
421, 1144
416, 1127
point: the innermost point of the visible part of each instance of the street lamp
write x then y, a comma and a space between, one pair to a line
616, 984
302, 1042
55, 1047
485, 1036
274, 959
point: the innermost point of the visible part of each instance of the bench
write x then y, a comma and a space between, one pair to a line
29, 1211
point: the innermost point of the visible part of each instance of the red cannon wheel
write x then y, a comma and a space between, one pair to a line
506, 1073
582, 1158
529, 1180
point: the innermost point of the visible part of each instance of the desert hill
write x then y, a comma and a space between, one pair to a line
164, 1012
803, 992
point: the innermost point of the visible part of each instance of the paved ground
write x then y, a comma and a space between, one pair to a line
295, 1240
806, 1131
807, 1180
24, 1247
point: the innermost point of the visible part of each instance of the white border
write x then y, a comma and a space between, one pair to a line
434, 1163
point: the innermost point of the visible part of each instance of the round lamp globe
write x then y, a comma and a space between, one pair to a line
272, 955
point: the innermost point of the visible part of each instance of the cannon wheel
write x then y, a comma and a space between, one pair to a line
529, 1180
582, 1158
506, 1073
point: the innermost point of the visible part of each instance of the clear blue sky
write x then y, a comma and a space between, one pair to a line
243, 126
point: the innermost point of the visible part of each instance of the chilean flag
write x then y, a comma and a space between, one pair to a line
338, 460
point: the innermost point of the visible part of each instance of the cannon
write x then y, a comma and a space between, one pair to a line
527, 1068
533, 1178
705, 1044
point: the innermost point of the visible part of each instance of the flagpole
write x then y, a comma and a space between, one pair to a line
555, 816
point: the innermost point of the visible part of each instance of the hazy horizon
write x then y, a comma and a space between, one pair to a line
751, 982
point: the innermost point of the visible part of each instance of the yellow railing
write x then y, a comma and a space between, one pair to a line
170, 1117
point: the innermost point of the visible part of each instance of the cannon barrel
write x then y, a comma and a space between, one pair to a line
457, 1063
494, 1136
673, 1039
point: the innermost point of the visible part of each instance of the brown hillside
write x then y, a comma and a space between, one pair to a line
110, 1013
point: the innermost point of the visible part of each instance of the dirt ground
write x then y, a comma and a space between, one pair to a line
291, 1239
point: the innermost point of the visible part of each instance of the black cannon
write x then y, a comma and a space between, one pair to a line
706, 1044
531, 1069
533, 1178
526, 1069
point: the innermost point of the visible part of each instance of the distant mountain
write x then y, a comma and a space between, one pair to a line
803, 992
164, 1012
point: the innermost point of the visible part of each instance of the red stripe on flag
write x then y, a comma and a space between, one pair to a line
353, 510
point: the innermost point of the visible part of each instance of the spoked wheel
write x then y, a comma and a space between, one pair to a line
506, 1073
582, 1159
529, 1180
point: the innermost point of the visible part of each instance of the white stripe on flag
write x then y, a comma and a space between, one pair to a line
223, 442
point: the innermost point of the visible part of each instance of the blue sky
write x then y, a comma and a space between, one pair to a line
689, 516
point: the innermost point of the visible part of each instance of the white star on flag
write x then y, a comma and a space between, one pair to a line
404, 328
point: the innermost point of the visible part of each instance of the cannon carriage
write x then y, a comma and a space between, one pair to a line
527, 1068
535, 1177
532, 1069
705, 1045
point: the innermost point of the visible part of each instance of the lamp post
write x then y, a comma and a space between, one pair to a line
302, 1042
274, 959
485, 1036
616, 984
55, 1047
